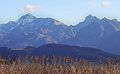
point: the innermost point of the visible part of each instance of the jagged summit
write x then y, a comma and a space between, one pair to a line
91, 17
26, 18
105, 19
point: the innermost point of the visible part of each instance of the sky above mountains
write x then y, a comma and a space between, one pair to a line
67, 11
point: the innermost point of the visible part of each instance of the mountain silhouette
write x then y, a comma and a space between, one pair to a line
93, 32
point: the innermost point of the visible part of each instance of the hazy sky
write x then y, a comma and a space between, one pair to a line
67, 11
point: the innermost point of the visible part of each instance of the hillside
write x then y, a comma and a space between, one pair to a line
59, 50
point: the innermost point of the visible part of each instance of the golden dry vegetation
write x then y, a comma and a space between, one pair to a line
78, 67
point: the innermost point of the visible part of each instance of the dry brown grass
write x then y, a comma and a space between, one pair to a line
80, 67
57, 69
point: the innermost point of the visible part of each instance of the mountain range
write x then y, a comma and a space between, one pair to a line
93, 32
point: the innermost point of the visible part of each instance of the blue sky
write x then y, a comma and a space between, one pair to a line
67, 11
